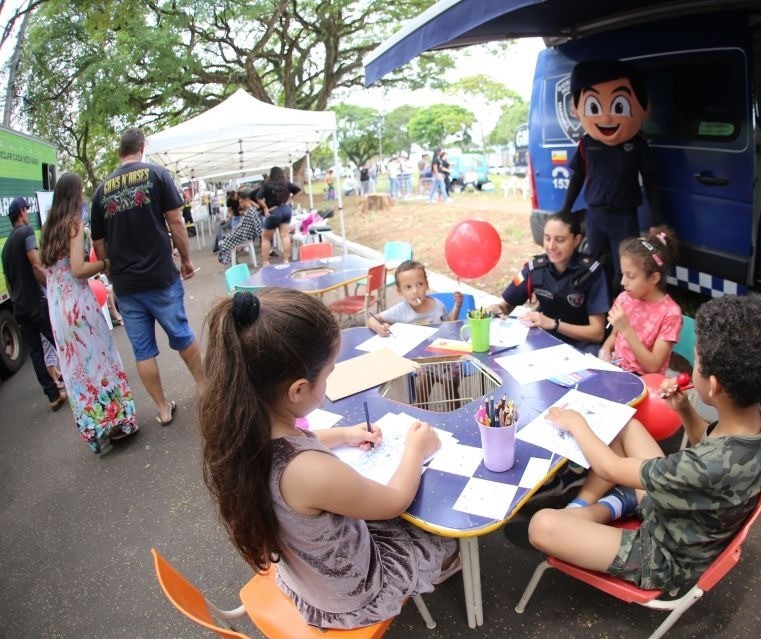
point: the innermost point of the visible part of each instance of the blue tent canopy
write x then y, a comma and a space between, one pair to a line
458, 23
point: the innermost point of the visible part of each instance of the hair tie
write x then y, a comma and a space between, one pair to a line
651, 249
662, 237
245, 309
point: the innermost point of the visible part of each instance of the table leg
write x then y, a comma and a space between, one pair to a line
471, 579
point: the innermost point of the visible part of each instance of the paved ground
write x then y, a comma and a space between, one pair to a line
76, 530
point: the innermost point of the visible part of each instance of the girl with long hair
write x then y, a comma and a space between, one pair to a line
92, 369
344, 557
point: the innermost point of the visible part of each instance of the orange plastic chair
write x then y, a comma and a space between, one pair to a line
628, 592
315, 251
273, 613
374, 295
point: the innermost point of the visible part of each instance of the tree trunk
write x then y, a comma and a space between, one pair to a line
10, 91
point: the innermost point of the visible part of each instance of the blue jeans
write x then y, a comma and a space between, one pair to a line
438, 185
33, 325
141, 311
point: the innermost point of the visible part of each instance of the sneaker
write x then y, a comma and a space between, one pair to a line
627, 496
55, 404
567, 478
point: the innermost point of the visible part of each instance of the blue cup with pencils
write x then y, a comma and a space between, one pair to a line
497, 424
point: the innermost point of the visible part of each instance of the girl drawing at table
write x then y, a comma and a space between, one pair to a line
692, 502
343, 556
417, 308
646, 321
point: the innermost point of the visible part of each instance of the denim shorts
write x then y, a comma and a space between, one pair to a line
141, 311
278, 217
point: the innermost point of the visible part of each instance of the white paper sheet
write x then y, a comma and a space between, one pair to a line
380, 463
486, 498
506, 333
536, 469
534, 366
320, 419
403, 338
604, 417
457, 459
596, 364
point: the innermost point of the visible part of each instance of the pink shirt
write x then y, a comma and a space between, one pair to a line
651, 321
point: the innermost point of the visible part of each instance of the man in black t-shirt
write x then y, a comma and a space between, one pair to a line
25, 279
130, 213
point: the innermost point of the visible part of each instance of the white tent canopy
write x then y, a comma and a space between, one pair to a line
239, 136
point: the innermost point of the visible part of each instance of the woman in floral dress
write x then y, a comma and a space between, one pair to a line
92, 369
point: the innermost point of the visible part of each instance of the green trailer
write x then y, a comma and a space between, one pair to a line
27, 167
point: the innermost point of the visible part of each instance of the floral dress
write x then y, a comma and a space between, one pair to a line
92, 369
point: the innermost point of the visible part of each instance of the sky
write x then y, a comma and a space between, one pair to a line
514, 68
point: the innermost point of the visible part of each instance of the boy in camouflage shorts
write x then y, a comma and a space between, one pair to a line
691, 502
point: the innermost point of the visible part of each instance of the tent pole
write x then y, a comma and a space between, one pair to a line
339, 190
309, 180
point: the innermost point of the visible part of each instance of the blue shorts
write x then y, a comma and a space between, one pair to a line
280, 215
141, 311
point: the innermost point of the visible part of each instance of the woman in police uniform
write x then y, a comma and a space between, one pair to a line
570, 287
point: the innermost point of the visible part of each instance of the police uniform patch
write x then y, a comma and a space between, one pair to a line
576, 300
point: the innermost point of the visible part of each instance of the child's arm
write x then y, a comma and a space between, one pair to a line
315, 482
353, 435
650, 361
455, 312
378, 325
605, 462
606, 350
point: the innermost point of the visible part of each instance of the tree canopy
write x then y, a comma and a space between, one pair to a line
91, 68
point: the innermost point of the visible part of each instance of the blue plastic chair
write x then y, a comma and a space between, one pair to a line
468, 302
686, 344
236, 275
394, 253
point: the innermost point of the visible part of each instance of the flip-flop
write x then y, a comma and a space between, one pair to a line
120, 434
173, 406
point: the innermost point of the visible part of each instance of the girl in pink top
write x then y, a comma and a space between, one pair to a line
646, 321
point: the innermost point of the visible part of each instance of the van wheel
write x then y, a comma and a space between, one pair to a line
13, 350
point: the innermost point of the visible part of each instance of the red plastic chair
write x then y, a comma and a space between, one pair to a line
374, 295
315, 251
628, 592
268, 607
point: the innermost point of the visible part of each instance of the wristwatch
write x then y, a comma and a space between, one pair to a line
557, 325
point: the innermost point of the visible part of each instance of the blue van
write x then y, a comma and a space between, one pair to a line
702, 130
702, 62
467, 168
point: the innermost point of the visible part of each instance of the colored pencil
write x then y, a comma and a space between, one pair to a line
367, 419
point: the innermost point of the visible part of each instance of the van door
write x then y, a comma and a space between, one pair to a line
701, 132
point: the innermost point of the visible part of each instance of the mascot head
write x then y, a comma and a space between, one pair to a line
610, 99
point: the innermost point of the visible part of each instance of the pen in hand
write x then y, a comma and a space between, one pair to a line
381, 322
367, 419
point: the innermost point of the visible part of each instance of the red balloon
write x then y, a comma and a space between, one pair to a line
654, 412
472, 248
99, 290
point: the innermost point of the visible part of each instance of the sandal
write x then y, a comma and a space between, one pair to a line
173, 407
120, 433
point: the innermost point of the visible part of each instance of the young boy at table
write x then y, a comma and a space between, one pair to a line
692, 502
417, 308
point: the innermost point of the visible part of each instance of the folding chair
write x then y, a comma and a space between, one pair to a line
375, 291
273, 613
630, 593
468, 302
235, 275
315, 251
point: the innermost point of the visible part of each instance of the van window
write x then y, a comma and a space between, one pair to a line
695, 96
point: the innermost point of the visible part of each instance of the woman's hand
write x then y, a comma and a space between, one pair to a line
423, 438
618, 318
358, 435
566, 419
537, 319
